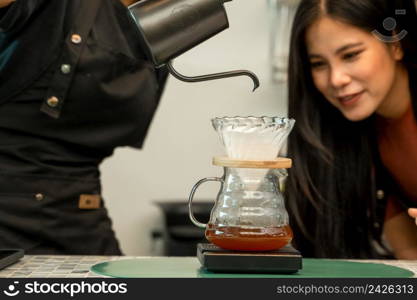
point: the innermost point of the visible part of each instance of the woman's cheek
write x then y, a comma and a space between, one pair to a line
319, 80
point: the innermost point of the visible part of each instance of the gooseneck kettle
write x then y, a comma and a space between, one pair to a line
169, 28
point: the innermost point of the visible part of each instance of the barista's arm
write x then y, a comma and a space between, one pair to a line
129, 2
4, 3
17, 13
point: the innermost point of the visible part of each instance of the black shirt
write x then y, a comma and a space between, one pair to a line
106, 99
74, 84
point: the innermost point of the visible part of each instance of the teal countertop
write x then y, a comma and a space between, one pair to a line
188, 267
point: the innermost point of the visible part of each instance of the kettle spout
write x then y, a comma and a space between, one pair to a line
214, 76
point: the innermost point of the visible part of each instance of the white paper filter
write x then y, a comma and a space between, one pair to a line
253, 138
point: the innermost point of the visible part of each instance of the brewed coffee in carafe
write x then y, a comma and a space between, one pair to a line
249, 213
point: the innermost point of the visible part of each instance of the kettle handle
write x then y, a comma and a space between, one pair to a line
190, 199
214, 76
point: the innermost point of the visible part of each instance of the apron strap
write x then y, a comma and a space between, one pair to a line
71, 52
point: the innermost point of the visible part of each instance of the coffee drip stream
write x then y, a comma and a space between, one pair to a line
249, 213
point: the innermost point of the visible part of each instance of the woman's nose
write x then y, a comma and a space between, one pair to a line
339, 77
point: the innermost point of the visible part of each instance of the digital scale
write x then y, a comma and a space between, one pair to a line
286, 260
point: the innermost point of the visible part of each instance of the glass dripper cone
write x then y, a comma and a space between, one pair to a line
253, 138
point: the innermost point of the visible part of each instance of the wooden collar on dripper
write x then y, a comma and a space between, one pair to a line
278, 163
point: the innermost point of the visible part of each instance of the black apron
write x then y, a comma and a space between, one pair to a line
50, 192
41, 214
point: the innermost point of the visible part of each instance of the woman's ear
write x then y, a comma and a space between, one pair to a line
397, 50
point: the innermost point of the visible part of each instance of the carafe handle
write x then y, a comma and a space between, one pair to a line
190, 199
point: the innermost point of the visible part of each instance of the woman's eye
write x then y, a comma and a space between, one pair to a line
317, 64
351, 55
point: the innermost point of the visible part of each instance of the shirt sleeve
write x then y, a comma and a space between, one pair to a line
17, 14
3, 11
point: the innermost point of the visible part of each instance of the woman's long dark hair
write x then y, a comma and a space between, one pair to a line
331, 189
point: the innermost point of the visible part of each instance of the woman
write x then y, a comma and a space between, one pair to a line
352, 75
74, 84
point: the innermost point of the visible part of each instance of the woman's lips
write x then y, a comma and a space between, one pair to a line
350, 99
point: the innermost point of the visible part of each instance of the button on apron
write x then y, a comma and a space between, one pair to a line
52, 101
76, 39
39, 196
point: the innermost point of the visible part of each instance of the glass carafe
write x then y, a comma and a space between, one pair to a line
249, 213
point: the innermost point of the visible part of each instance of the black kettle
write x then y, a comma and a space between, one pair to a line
171, 27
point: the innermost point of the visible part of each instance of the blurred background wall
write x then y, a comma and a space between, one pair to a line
181, 142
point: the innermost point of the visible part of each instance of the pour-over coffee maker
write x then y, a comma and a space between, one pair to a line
249, 227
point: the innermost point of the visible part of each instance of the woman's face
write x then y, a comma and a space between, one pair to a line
352, 69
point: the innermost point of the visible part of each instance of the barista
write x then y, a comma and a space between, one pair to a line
74, 84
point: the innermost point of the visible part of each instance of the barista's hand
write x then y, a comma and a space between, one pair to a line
4, 3
127, 2
413, 213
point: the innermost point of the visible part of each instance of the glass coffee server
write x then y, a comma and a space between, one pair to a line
249, 214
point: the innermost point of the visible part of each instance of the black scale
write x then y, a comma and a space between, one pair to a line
286, 260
